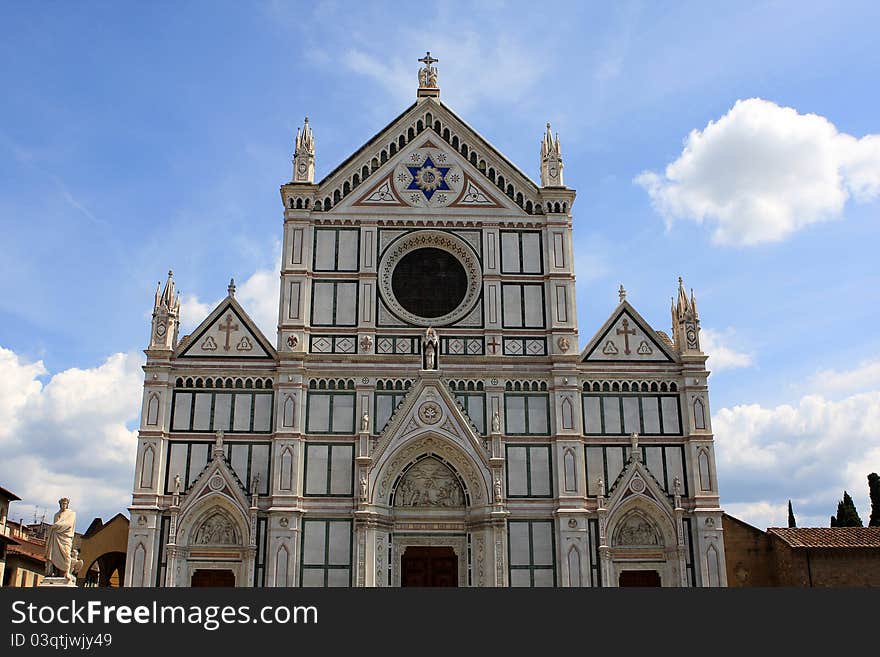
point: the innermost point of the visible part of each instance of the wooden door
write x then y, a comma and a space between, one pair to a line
429, 566
210, 577
639, 578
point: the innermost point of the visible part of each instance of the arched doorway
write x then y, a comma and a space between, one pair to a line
643, 547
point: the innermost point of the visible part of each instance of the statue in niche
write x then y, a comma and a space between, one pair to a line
637, 531
496, 422
431, 343
363, 489
60, 559
177, 484
365, 422
499, 495
429, 484
600, 484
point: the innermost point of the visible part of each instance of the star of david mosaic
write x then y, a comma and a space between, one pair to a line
429, 178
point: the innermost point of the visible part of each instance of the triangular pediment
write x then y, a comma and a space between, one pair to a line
429, 407
228, 332
428, 159
636, 479
217, 478
627, 337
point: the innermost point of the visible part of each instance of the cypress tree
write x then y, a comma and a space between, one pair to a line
847, 516
874, 488
791, 521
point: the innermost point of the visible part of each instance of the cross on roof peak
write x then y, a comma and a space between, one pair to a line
427, 60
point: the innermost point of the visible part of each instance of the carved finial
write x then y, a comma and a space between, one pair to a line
551, 160
304, 155
428, 77
231, 288
621, 293
634, 446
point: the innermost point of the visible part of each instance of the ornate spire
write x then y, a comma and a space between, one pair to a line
686, 321
304, 155
551, 160
428, 77
166, 316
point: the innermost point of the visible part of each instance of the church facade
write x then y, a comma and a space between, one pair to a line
424, 415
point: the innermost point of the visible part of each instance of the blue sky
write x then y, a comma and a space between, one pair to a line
135, 138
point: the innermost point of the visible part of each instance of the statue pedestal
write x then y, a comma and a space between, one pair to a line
57, 581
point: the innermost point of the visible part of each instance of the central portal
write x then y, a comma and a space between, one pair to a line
429, 566
211, 577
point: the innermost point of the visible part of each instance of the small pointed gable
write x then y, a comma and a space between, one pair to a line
627, 337
429, 407
228, 332
217, 478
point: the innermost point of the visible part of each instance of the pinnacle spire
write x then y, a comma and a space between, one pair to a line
551, 160
304, 154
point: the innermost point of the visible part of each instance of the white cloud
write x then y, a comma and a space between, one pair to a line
722, 355
865, 376
809, 453
258, 295
762, 172
69, 437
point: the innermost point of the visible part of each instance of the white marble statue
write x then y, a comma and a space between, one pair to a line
59, 542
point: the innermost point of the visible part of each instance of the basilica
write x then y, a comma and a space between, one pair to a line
424, 415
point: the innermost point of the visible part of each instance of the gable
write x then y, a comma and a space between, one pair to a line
428, 175
627, 337
228, 332
370, 175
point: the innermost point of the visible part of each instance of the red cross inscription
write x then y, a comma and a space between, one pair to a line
229, 327
493, 345
626, 332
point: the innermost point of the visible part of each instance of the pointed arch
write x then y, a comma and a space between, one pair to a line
699, 414
282, 559
288, 415
705, 473
570, 471
286, 482
138, 565
574, 567
713, 567
567, 413
153, 410
147, 467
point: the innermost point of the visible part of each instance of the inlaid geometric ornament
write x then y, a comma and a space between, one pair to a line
473, 195
381, 194
209, 344
610, 348
645, 348
428, 178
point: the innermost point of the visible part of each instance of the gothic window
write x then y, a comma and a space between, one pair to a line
161, 554
329, 469
326, 553
625, 414
282, 558
574, 567
666, 462
289, 411
474, 404
570, 473
336, 249
210, 411
529, 472
334, 303
699, 415
712, 566
567, 414
153, 410
705, 479
689, 553
431, 269
330, 412
137, 569
260, 562
147, 468
522, 305
526, 414
287, 469
532, 553
521, 252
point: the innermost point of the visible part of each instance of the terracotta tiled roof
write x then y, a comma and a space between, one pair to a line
28, 548
828, 537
